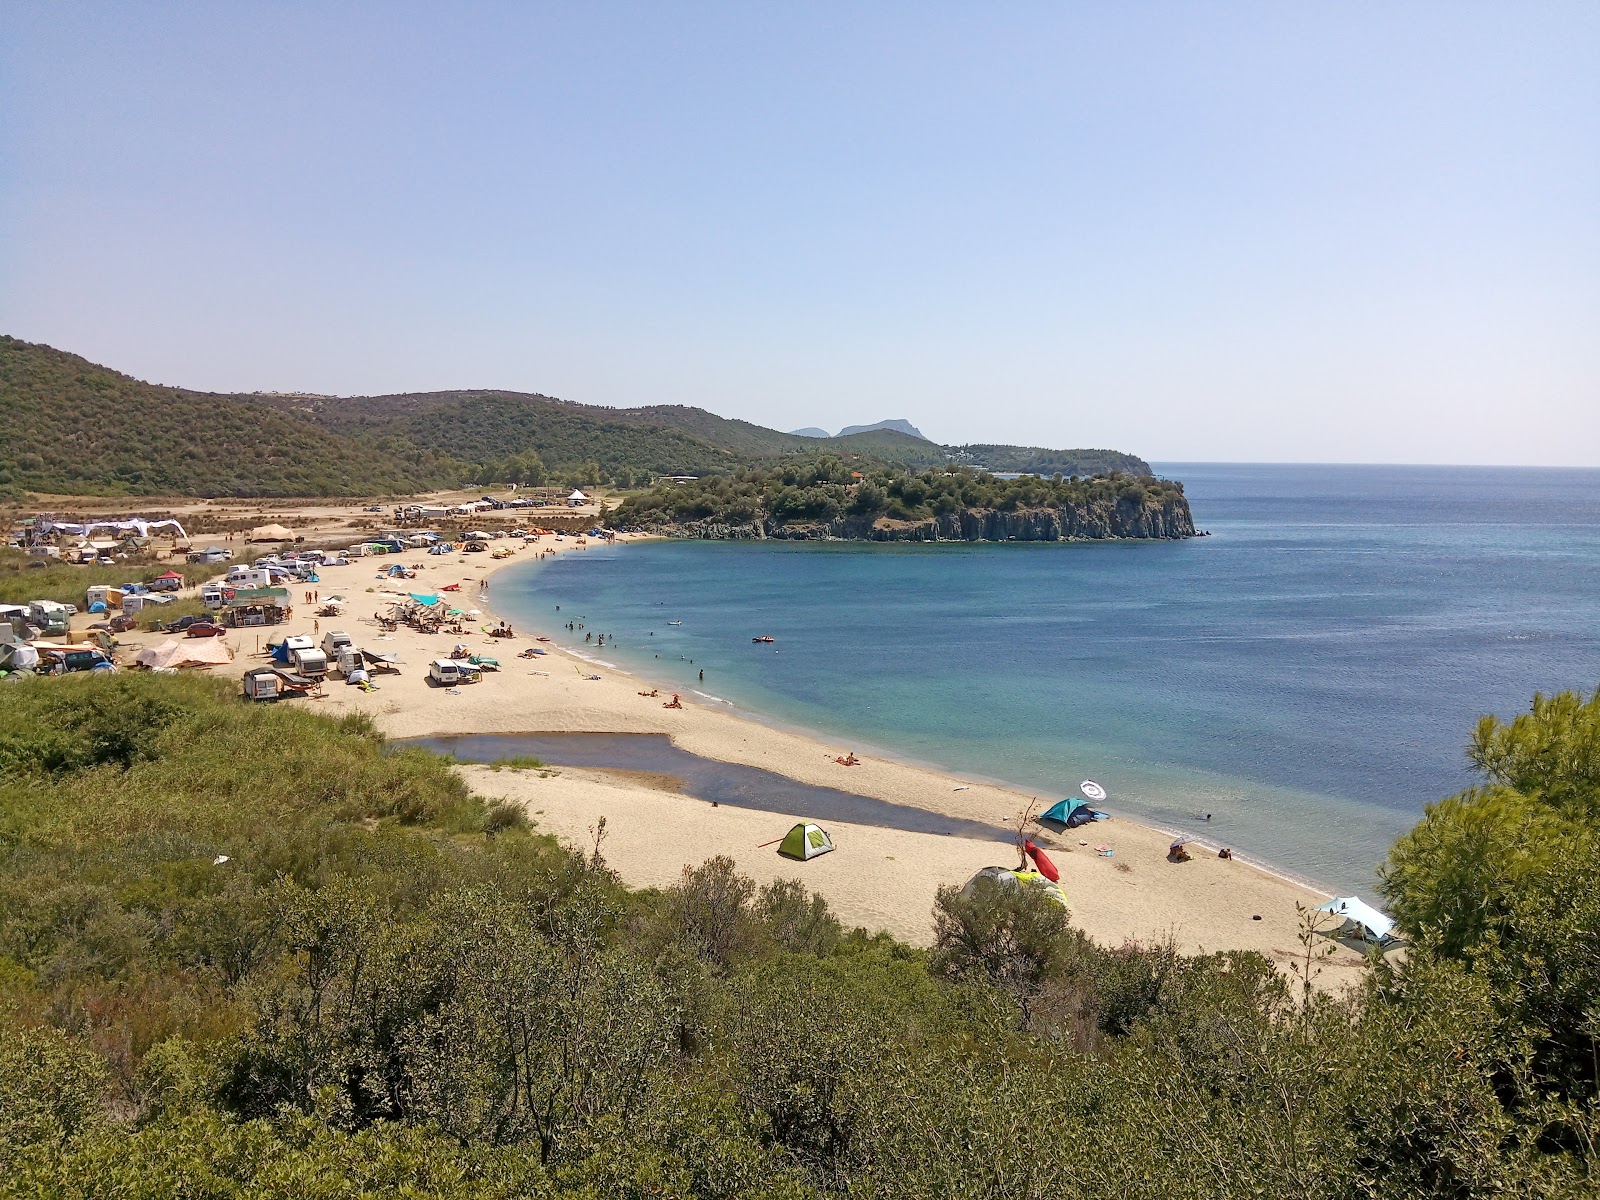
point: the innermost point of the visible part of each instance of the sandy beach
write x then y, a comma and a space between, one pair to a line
883, 879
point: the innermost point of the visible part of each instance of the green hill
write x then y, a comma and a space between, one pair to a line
70, 426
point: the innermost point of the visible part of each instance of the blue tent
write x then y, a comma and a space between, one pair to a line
1069, 814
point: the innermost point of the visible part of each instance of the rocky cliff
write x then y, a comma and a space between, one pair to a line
1125, 518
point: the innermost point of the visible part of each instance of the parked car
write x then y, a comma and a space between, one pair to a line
183, 623
204, 629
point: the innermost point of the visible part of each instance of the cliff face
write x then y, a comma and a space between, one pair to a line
1169, 519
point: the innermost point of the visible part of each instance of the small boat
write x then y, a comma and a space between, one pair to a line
674, 622
762, 639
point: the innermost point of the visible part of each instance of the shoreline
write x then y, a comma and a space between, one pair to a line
878, 878
870, 749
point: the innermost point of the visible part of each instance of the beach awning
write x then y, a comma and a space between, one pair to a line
1362, 922
425, 601
186, 652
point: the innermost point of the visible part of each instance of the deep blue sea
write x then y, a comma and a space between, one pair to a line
1308, 674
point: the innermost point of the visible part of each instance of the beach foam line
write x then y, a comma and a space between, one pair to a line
599, 662
710, 697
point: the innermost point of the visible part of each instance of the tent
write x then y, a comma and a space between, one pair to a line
578, 496
805, 841
1069, 814
186, 652
1362, 923
1001, 877
271, 533
17, 656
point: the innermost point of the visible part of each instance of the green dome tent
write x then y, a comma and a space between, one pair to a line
805, 841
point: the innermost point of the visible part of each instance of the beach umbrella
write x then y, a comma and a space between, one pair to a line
1092, 790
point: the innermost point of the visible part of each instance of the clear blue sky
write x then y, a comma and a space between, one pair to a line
1351, 232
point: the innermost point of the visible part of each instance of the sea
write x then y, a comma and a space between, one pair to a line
1308, 674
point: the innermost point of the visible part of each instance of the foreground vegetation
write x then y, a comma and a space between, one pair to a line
825, 488
387, 987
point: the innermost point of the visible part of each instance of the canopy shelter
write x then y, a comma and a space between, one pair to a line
251, 607
578, 496
1069, 814
186, 652
1362, 923
805, 842
48, 524
271, 533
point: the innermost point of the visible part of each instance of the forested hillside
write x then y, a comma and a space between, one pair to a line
247, 952
67, 425
825, 497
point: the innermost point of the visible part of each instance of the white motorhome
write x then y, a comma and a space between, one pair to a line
49, 615
308, 662
335, 640
250, 577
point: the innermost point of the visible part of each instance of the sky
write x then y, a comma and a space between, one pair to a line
1196, 232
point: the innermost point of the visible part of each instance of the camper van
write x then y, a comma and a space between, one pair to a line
309, 662
448, 672
262, 684
214, 596
335, 641
49, 616
249, 577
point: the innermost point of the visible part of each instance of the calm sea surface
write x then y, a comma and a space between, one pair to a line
1308, 674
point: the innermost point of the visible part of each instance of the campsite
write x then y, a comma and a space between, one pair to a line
398, 625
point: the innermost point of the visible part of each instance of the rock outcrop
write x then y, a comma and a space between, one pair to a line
1124, 518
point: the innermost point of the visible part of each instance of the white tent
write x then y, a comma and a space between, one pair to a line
1362, 922
271, 533
578, 496
186, 652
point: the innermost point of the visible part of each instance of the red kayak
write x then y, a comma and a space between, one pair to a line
1041, 860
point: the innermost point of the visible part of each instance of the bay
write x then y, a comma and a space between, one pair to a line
1308, 674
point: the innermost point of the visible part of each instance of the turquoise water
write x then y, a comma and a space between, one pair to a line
1308, 674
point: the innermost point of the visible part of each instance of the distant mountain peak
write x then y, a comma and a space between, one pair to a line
810, 431
899, 426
